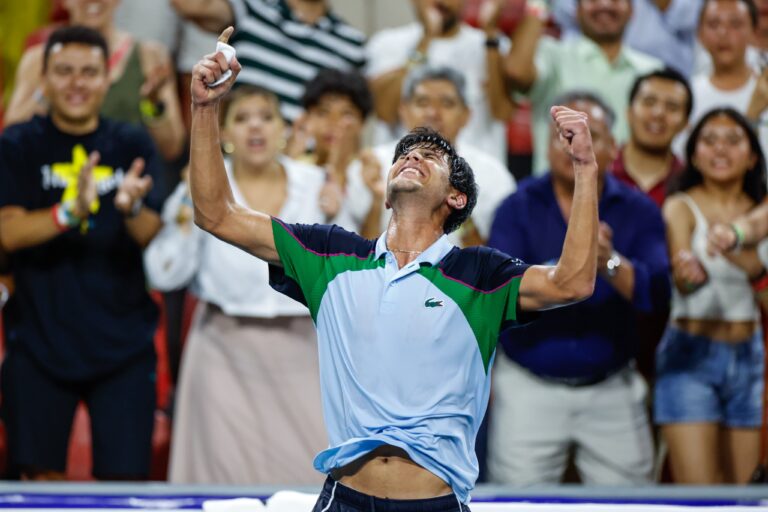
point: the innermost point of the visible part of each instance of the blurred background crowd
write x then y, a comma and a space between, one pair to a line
137, 346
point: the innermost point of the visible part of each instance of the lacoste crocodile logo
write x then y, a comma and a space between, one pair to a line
433, 303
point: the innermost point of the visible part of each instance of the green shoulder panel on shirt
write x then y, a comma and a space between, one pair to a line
313, 270
484, 311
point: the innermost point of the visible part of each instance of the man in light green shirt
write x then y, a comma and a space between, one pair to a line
543, 67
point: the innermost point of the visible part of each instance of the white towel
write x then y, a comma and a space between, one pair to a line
291, 501
235, 505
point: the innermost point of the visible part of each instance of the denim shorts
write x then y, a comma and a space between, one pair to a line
699, 379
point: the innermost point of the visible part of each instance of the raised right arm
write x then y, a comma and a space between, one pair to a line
572, 279
215, 208
520, 62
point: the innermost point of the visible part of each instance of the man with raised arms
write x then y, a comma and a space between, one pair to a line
407, 324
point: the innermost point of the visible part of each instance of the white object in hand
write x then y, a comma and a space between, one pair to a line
229, 54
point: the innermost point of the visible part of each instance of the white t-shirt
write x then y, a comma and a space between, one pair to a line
706, 97
390, 49
494, 183
221, 273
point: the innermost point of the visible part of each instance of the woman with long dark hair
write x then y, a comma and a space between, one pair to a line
710, 362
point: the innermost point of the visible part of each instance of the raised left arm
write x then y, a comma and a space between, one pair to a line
573, 278
166, 127
499, 102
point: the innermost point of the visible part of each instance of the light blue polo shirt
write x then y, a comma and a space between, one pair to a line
404, 352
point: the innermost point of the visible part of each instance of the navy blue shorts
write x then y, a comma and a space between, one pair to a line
38, 411
337, 498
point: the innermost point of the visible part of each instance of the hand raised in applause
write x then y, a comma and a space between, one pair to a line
430, 17
371, 172
85, 203
133, 188
488, 16
331, 196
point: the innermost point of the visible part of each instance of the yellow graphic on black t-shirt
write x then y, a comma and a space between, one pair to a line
70, 172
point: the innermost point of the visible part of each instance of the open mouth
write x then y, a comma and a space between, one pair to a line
256, 143
410, 172
655, 128
720, 164
76, 99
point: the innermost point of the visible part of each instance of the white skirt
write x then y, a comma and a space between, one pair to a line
248, 405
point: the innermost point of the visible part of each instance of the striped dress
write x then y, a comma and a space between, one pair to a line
281, 53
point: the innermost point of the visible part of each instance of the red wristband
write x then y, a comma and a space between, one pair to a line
55, 213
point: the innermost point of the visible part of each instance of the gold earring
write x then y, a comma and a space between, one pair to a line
228, 147
282, 144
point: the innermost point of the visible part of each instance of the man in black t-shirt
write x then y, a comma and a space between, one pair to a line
75, 212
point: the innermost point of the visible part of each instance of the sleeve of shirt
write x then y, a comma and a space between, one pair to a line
12, 192
508, 237
384, 53
306, 254
648, 254
172, 258
510, 272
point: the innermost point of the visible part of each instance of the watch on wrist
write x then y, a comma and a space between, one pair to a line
613, 264
492, 42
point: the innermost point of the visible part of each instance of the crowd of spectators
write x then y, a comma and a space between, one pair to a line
95, 212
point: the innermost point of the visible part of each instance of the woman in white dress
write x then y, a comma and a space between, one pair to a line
248, 401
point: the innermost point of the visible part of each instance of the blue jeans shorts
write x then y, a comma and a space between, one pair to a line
699, 380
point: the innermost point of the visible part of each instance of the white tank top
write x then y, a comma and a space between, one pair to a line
726, 295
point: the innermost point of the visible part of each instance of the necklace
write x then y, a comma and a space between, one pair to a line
403, 251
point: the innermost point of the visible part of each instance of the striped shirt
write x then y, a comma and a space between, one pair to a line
281, 53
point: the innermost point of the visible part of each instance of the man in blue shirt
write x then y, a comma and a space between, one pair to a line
407, 324
568, 380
